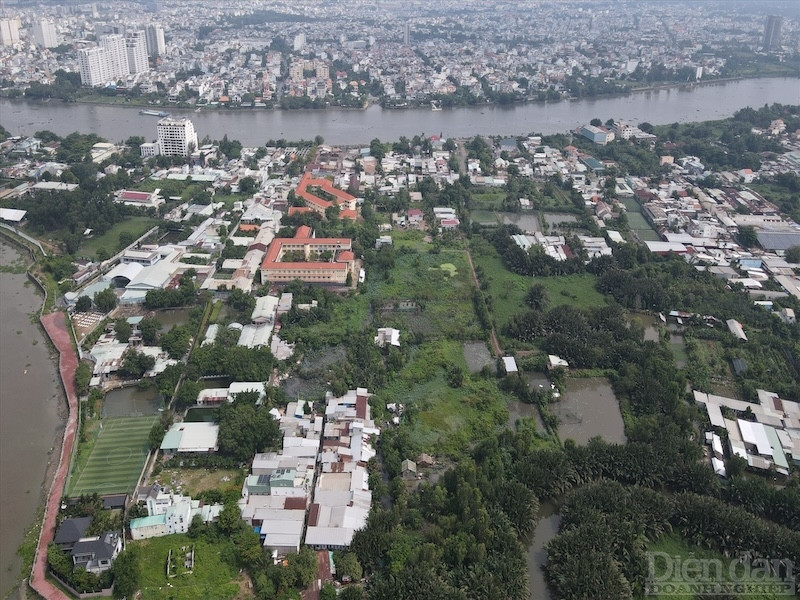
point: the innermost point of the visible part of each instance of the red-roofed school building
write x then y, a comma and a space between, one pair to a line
343, 200
311, 269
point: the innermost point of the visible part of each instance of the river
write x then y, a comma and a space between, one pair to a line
30, 402
340, 126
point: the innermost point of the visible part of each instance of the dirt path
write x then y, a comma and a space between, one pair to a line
55, 324
323, 576
495, 343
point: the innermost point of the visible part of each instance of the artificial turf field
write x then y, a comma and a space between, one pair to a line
117, 458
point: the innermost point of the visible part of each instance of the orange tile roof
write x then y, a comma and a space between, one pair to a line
271, 259
299, 210
303, 232
324, 184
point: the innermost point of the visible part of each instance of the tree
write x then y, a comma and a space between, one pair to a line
646, 127
156, 436
105, 300
176, 341
135, 364
536, 297
195, 527
123, 330
83, 375
247, 185
230, 518
245, 429
149, 328
747, 236
127, 573
595, 122
84, 304
347, 566
126, 238
328, 592
352, 592
793, 254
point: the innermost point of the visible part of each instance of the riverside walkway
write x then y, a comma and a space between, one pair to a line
55, 324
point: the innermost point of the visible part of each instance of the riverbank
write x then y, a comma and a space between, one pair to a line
166, 106
28, 387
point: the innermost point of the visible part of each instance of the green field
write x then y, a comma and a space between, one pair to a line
211, 578
508, 289
637, 222
110, 239
116, 459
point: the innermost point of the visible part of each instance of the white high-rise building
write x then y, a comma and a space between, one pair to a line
9, 31
299, 42
155, 40
44, 34
114, 44
94, 66
136, 46
176, 137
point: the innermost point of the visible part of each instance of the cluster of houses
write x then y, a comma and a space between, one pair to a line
315, 490
765, 434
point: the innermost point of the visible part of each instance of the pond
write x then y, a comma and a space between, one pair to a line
520, 410
554, 219
478, 356
528, 222
651, 325
589, 408
168, 318
546, 530
131, 402
201, 414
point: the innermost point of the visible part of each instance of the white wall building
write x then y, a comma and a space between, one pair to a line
9, 31
136, 48
93, 65
176, 137
44, 34
117, 55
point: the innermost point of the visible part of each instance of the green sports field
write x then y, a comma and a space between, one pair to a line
117, 458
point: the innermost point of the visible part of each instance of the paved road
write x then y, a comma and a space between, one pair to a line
55, 324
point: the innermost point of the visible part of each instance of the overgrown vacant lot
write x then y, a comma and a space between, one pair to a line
109, 241
193, 481
212, 578
441, 418
508, 289
441, 286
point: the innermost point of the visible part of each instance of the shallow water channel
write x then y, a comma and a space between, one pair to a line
587, 408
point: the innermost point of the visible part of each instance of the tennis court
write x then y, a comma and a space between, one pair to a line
116, 459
